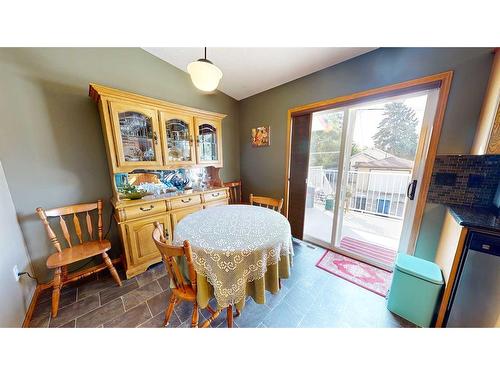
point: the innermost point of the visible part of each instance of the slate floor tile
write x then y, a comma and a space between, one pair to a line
97, 317
301, 299
273, 300
110, 294
71, 287
145, 277
153, 273
64, 300
131, 318
252, 315
157, 321
75, 310
164, 282
95, 286
224, 324
159, 303
141, 294
324, 317
40, 320
69, 324
283, 316
184, 311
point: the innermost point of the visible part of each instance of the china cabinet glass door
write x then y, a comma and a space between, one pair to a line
208, 134
135, 129
178, 139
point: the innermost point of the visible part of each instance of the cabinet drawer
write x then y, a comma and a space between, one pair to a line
181, 202
145, 209
221, 202
215, 195
178, 215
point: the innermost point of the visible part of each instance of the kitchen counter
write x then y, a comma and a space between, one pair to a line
476, 217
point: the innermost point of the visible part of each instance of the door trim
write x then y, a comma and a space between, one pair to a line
441, 80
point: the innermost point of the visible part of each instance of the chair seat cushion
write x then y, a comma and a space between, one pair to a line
78, 252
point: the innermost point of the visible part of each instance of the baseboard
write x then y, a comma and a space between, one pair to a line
41, 287
31, 307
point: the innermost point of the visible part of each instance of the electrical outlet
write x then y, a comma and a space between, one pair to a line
16, 272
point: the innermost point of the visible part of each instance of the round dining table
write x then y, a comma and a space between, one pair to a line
238, 251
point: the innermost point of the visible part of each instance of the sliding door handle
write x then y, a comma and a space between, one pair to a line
410, 191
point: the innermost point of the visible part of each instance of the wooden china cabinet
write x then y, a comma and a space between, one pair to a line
147, 134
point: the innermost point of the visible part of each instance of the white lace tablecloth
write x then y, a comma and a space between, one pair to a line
233, 245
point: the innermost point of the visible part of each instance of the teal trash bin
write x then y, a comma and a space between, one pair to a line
329, 203
415, 289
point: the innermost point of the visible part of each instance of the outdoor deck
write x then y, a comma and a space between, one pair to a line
369, 228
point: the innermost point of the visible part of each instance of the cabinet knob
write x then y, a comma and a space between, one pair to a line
146, 208
155, 138
186, 201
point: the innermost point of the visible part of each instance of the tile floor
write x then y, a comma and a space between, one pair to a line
311, 297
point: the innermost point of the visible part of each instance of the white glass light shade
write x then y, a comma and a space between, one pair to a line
205, 75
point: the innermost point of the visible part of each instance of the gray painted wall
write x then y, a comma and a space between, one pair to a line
15, 295
51, 144
263, 169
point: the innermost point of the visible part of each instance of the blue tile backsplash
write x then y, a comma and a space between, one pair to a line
470, 180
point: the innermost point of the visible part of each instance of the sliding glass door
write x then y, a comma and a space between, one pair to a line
364, 166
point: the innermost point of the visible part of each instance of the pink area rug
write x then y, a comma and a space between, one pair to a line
377, 252
369, 277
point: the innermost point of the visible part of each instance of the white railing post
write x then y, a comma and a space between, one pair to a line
362, 185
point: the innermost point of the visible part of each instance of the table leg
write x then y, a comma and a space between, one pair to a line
229, 313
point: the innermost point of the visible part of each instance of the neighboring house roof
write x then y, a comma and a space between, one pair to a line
392, 162
370, 154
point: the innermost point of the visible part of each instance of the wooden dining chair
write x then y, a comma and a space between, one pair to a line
182, 290
234, 191
272, 203
63, 257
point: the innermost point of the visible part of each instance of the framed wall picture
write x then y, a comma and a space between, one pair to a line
261, 136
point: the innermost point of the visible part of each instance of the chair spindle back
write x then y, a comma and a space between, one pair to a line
271, 203
63, 213
169, 254
235, 191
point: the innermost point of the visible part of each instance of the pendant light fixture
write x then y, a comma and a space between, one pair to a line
204, 74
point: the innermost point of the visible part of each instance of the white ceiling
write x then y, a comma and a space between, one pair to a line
248, 71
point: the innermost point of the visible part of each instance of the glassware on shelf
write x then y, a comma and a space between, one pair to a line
207, 142
179, 141
181, 180
154, 188
136, 130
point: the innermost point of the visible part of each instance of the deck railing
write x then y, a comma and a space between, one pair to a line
381, 193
